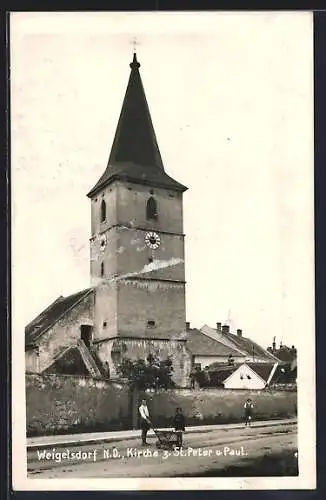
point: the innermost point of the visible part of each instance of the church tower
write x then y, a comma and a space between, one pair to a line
137, 245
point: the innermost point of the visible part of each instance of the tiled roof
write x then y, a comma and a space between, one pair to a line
286, 353
253, 349
218, 374
135, 154
262, 369
201, 345
284, 374
51, 315
223, 372
136, 173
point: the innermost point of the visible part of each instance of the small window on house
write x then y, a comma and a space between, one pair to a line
103, 211
104, 324
102, 269
151, 209
248, 377
241, 377
150, 323
150, 259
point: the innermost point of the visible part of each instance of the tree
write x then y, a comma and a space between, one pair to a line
143, 375
151, 373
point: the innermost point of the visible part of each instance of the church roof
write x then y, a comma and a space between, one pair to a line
200, 344
51, 315
135, 155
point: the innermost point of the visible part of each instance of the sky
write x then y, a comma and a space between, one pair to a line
231, 99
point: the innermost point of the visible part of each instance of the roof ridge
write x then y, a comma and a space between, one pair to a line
235, 347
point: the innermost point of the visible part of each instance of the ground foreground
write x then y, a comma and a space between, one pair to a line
259, 451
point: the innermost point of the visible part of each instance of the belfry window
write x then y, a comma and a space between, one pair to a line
102, 269
151, 209
103, 211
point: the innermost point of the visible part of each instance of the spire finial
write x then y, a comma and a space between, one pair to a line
134, 43
134, 64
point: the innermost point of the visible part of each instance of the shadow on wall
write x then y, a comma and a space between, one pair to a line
69, 404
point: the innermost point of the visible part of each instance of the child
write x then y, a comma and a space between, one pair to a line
179, 423
248, 406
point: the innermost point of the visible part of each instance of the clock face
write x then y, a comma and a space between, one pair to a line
102, 242
152, 240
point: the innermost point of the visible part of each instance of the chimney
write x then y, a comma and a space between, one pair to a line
187, 325
225, 329
274, 344
239, 333
218, 327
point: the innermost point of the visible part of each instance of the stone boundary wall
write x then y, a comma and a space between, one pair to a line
60, 404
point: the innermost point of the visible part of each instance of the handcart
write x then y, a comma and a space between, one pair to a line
166, 439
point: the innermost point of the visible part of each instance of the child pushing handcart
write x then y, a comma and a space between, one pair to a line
170, 439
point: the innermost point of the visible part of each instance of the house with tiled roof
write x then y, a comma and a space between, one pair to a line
206, 350
252, 351
249, 376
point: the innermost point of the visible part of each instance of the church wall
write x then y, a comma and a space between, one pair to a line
141, 301
65, 332
32, 361
109, 195
131, 202
133, 256
141, 348
105, 317
109, 256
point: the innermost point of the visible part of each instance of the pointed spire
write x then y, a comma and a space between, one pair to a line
135, 139
135, 154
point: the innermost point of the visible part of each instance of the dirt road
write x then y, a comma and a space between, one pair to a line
216, 450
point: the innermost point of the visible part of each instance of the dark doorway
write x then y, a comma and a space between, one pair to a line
86, 334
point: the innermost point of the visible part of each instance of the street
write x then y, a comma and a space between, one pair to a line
203, 453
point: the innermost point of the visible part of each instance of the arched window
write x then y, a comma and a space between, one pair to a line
103, 211
151, 209
102, 269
